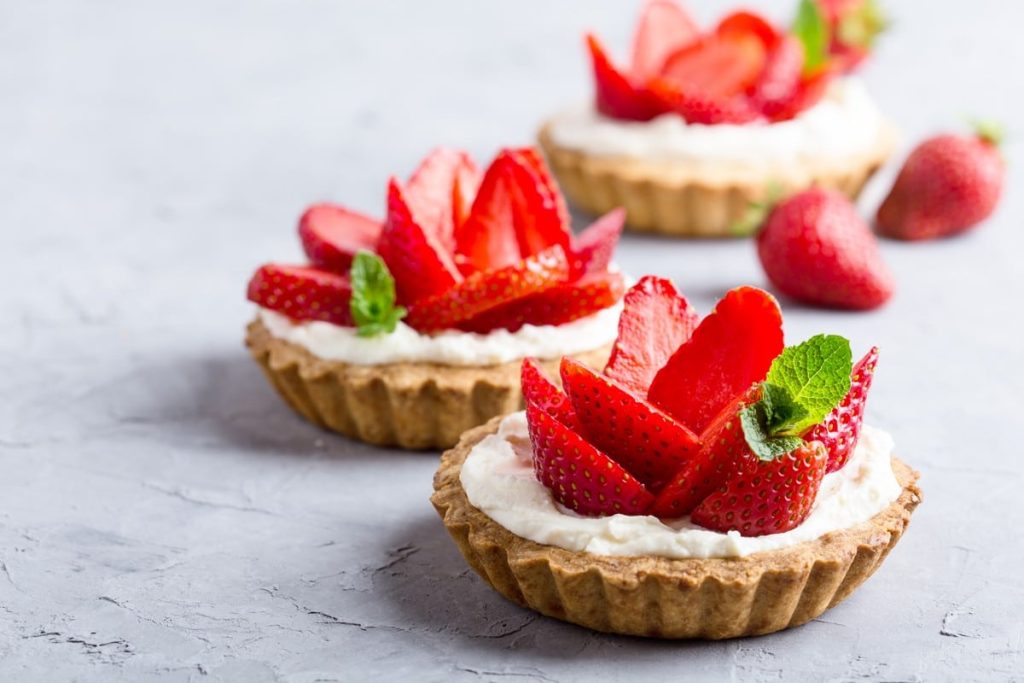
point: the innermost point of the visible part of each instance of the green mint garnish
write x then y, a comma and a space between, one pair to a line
811, 29
373, 296
803, 385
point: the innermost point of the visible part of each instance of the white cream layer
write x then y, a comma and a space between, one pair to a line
845, 124
498, 479
451, 347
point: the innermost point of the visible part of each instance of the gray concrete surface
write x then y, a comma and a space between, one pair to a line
163, 516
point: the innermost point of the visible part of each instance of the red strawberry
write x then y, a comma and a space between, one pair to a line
697, 107
464, 189
421, 267
540, 217
531, 157
542, 393
331, 235
484, 290
615, 95
807, 93
430, 191
775, 87
841, 428
649, 444
743, 24
663, 28
720, 443
815, 248
947, 185
487, 239
558, 305
655, 321
731, 349
765, 497
579, 476
593, 248
717, 67
302, 293
853, 27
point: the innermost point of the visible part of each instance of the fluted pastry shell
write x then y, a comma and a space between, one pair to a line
683, 199
410, 405
665, 597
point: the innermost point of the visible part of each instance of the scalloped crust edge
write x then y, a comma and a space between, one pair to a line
415, 406
670, 598
674, 199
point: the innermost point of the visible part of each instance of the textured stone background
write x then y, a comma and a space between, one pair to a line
162, 515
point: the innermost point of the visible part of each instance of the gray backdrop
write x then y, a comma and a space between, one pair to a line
162, 515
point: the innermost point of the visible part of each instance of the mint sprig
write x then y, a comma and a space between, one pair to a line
811, 29
373, 296
804, 384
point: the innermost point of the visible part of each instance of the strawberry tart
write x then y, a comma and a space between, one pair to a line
704, 122
410, 330
709, 483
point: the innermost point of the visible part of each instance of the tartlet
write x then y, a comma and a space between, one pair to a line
758, 545
705, 123
408, 331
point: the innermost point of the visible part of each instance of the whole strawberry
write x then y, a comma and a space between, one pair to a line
814, 247
947, 185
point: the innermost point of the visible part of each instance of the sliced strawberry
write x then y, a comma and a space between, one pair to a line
542, 393
781, 76
579, 476
615, 95
485, 290
655, 321
464, 189
558, 305
721, 443
302, 293
421, 267
765, 497
743, 24
807, 93
649, 444
429, 191
730, 350
593, 248
717, 67
663, 28
841, 428
488, 238
539, 214
697, 107
331, 235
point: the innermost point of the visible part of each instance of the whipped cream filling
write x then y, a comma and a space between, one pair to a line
450, 347
845, 123
498, 479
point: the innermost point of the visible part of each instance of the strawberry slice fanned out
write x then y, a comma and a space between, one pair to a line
594, 247
531, 157
540, 392
655, 321
558, 305
487, 239
663, 28
649, 444
697, 107
721, 443
302, 293
731, 349
717, 66
331, 235
539, 215
431, 193
484, 290
580, 476
765, 497
420, 265
840, 430
616, 96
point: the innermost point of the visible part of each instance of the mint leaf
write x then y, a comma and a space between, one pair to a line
812, 31
754, 420
373, 296
816, 375
782, 413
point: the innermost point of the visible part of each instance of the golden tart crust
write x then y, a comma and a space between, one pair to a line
665, 597
411, 405
692, 200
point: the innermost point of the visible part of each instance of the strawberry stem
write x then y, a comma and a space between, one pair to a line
989, 131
